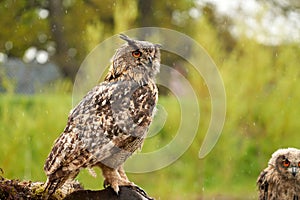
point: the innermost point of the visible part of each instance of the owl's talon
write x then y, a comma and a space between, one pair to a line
114, 184
140, 190
115, 188
105, 183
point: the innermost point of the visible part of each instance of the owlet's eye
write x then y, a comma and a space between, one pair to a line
286, 163
136, 54
298, 164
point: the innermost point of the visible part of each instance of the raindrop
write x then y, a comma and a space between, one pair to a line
72, 52
51, 48
53, 27
42, 38
9, 45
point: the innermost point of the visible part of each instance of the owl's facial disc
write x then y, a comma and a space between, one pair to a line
146, 56
145, 51
135, 60
287, 168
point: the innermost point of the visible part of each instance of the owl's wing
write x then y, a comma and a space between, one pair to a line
112, 116
263, 185
87, 128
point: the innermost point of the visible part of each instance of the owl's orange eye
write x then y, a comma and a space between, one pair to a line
286, 163
136, 54
298, 164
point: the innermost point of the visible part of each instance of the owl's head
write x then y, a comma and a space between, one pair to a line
287, 163
136, 60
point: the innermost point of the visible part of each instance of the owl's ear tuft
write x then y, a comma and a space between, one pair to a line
130, 41
126, 38
159, 46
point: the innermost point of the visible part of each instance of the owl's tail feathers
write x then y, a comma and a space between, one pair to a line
63, 183
55, 181
51, 186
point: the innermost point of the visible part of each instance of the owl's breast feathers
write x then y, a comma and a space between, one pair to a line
272, 186
262, 185
108, 125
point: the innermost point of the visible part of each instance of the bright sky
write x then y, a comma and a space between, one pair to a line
256, 20
226, 6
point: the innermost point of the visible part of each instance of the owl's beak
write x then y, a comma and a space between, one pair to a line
294, 171
150, 59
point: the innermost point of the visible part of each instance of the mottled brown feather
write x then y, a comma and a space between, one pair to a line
111, 121
277, 181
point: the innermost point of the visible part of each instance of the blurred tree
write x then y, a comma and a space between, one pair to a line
66, 29
20, 27
287, 11
69, 29
285, 7
57, 26
222, 25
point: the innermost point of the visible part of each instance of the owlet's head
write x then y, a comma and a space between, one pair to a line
136, 60
287, 163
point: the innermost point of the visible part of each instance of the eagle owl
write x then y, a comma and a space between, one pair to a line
111, 121
281, 179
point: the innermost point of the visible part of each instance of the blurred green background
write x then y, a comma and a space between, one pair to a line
257, 55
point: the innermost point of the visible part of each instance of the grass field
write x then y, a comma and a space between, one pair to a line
30, 124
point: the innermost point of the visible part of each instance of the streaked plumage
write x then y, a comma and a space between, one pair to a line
281, 179
111, 121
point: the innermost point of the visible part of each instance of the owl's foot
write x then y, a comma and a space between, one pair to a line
122, 173
115, 183
115, 178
